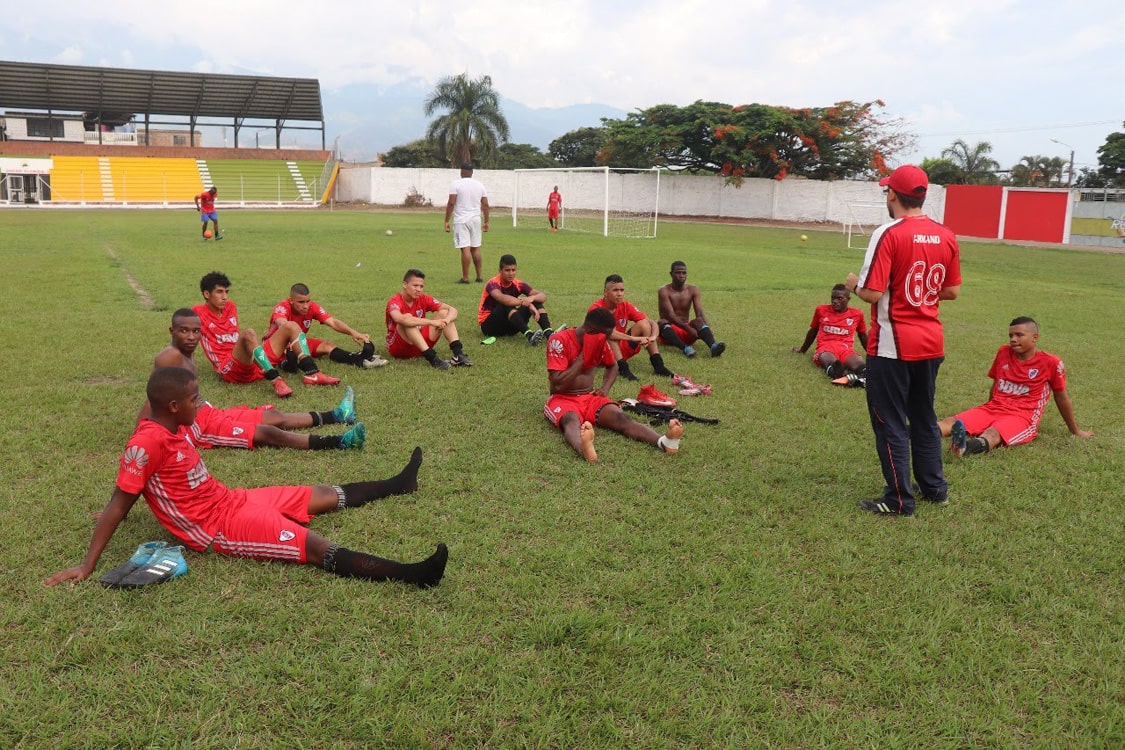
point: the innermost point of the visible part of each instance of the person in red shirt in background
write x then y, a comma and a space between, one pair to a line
1023, 380
912, 264
575, 406
205, 205
554, 206
642, 334
834, 327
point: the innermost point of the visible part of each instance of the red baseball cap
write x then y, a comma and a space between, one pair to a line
907, 180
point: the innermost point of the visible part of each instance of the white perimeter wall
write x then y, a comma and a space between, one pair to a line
680, 195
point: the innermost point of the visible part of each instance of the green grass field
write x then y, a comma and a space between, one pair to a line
731, 595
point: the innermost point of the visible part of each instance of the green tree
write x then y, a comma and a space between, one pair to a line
1111, 159
418, 154
943, 171
974, 162
472, 126
578, 148
848, 139
523, 156
1039, 171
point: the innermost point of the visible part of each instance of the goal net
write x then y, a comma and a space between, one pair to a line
603, 200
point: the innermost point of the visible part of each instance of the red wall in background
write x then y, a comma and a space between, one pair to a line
973, 210
1035, 215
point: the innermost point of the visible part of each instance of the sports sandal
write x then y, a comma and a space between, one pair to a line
141, 557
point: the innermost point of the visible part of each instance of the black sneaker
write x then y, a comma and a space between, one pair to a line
834, 370
880, 508
440, 364
461, 360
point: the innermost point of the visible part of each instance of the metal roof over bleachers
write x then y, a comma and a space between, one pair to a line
144, 93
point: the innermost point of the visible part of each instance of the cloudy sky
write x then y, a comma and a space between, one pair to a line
1019, 74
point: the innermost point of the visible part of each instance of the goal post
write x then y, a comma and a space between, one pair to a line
612, 202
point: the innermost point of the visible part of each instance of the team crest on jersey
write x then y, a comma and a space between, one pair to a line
135, 454
285, 536
622, 322
237, 431
849, 321
1033, 372
233, 321
557, 410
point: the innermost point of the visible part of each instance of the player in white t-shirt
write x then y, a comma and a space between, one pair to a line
468, 208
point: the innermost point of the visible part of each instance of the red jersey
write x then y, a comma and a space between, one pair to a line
182, 494
219, 332
1025, 386
910, 260
206, 202
563, 348
418, 308
284, 311
488, 303
554, 201
837, 326
623, 314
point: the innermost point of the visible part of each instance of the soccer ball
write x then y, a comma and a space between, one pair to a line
389, 233
804, 237
207, 234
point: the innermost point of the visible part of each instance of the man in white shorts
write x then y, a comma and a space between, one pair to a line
468, 207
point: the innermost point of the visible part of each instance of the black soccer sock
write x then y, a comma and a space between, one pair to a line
348, 564
272, 374
669, 336
624, 371
976, 445
323, 442
339, 355
356, 494
707, 336
289, 364
368, 350
308, 366
544, 320
455, 346
323, 417
658, 365
430, 355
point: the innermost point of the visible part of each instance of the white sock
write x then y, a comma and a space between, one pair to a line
667, 443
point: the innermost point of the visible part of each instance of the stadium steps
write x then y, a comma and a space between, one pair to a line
106, 175
204, 173
154, 179
242, 181
76, 179
299, 180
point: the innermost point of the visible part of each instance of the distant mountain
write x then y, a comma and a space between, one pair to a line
368, 119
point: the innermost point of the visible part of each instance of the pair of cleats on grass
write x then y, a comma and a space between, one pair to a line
688, 387
152, 563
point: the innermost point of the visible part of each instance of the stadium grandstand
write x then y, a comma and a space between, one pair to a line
72, 135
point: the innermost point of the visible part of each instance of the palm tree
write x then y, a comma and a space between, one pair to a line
472, 125
976, 165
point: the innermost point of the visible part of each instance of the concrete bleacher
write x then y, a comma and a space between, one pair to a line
76, 179
154, 179
260, 181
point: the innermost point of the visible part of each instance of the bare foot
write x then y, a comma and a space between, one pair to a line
587, 434
675, 432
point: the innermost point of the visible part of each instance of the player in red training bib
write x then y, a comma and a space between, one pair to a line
554, 208
834, 327
267, 523
1023, 381
287, 339
205, 205
575, 406
633, 330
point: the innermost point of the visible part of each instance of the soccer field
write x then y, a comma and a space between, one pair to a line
730, 595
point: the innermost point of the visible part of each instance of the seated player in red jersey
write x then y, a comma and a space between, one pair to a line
575, 406
267, 523
237, 355
247, 428
834, 327
1023, 380
411, 334
642, 333
291, 320
675, 302
508, 305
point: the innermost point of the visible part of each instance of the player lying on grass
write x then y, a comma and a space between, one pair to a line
1023, 380
267, 523
626, 340
291, 320
247, 428
834, 327
575, 406
411, 334
237, 355
675, 302
508, 305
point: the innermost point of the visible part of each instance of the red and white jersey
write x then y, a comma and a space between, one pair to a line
563, 348
284, 311
910, 260
423, 304
1025, 386
219, 332
623, 314
832, 326
182, 494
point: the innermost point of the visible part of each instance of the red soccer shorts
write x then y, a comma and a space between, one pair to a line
275, 359
224, 428
1014, 428
234, 371
585, 405
687, 335
267, 523
400, 348
839, 350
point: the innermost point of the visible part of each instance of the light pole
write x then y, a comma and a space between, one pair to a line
1070, 173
